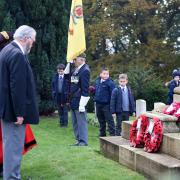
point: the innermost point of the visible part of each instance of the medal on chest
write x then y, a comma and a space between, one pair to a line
74, 79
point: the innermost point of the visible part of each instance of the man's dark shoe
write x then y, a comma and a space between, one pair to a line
102, 135
82, 144
63, 126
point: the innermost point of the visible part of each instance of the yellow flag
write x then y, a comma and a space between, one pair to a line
76, 33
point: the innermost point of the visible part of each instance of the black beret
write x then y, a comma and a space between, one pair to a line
82, 55
176, 73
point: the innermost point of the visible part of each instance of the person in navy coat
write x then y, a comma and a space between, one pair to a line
104, 86
5, 38
173, 84
79, 96
18, 102
59, 94
122, 102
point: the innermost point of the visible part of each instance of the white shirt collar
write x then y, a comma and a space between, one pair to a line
103, 80
79, 67
61, 75
123, 87
19, 46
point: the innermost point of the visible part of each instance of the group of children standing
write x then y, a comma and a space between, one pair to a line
113, 102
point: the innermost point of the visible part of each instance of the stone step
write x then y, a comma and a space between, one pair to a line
170, 144
156, 166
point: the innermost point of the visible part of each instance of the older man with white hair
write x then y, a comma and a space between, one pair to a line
18, 104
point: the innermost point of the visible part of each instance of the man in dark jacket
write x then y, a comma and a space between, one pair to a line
5, 38
79, 97
18, 105
103, 89
59, 93
122, 102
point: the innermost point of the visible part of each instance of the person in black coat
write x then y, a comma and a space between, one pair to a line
173, 84
59, 93
122, 102
18, 104
104, 86
79, 96
5, 38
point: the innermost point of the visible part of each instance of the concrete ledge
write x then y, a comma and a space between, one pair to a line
126, 129
169, 122
161, 116
156, 166
171, 144
109, 146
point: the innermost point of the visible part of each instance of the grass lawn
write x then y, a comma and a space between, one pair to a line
54, 159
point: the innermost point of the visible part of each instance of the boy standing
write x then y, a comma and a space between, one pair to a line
103, 89
59, 93
122, 102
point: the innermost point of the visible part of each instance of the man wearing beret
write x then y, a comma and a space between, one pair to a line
79, 97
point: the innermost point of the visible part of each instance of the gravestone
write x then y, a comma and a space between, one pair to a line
140, 107
159, 107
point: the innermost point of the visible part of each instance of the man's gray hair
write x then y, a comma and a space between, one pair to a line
23, 32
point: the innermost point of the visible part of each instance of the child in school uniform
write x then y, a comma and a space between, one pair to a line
122, 102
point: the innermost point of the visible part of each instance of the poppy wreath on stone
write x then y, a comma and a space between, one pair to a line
170, 110
153, 135
137, 131
177, 113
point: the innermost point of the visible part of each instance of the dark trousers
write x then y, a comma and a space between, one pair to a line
124, 116
63, 115
63, 112
104, 116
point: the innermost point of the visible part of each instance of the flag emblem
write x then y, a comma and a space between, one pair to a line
78, 11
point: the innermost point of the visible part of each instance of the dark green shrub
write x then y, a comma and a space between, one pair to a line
146, 85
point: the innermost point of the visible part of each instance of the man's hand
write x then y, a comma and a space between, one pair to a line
81, 109
19, 120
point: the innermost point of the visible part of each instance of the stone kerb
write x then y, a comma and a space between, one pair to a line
169, 122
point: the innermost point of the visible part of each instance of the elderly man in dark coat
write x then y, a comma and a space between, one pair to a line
17, 99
